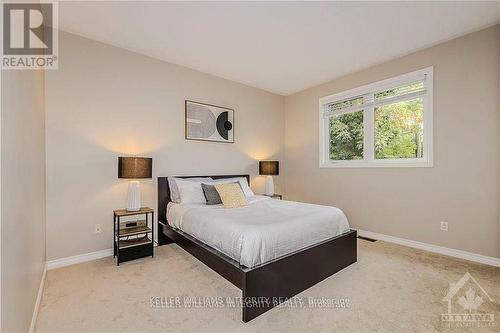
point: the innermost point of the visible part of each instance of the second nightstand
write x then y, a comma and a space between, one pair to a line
132, 239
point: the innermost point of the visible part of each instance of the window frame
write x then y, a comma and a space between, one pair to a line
368, 91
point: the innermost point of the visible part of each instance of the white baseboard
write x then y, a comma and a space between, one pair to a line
433, 248
38, 300
79, 259
492, 261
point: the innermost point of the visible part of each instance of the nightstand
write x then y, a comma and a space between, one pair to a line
133, 239
275, 196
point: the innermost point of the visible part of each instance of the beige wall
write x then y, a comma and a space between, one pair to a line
22, 196
104, 102
462, 187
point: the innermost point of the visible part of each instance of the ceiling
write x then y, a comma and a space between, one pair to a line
282, 47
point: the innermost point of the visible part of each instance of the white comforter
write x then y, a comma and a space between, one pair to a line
262, 231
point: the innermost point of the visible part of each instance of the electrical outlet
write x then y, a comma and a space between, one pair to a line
444, 226
97, 229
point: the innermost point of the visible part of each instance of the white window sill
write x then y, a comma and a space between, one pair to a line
377, 164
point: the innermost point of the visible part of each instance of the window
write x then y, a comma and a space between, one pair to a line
387, 123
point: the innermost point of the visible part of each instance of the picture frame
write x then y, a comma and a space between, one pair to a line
208, 122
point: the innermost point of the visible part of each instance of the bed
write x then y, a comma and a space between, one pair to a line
271, 249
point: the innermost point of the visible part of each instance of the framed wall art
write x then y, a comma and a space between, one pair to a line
206, 122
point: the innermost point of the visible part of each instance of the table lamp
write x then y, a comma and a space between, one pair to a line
269, 169
134, 168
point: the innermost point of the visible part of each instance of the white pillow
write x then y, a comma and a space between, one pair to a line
243, 182
174, 191
190, 192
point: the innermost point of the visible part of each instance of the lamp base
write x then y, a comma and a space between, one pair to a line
134, 196
269, 185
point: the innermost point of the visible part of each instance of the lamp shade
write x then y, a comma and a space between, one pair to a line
135, 167
269, 168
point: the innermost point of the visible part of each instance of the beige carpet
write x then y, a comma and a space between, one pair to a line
390, 288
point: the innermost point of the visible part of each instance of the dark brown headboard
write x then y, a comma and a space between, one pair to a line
164, 192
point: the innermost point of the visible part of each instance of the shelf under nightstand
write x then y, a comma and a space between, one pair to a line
124, 244
133, 231
275, 196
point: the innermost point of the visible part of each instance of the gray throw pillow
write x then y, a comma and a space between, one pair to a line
211, 194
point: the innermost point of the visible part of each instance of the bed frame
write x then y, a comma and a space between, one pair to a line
264, 286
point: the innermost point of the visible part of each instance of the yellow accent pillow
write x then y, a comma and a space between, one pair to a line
231, 195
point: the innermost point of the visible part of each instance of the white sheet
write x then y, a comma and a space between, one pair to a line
260, 232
